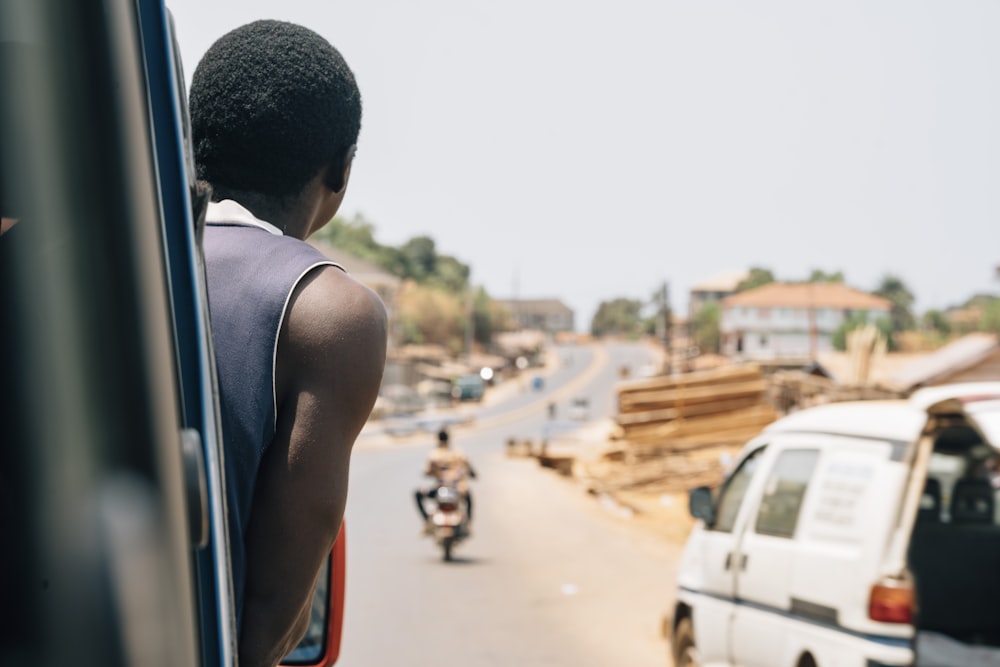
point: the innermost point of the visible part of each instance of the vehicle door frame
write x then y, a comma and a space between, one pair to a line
759, 555
716, 554
182, 210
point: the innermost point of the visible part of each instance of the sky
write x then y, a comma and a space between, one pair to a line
588, 151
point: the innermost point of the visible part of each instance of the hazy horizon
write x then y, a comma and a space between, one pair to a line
584, 151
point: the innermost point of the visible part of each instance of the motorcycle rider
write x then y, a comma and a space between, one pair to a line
447, 465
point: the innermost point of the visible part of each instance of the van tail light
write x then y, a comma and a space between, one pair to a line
891, 601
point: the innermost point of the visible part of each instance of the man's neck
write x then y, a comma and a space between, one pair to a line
291, 215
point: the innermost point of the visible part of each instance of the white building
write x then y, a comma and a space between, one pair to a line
783, 321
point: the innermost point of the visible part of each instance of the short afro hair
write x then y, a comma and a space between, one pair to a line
272, 103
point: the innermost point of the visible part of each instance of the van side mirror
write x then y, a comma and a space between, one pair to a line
701, 505
320, 647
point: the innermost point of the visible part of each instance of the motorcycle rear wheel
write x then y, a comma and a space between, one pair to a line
446, 546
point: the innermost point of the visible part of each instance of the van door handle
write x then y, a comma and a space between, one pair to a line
195, 487
743, 562
729, 561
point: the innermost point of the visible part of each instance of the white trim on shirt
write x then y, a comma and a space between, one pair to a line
228, 210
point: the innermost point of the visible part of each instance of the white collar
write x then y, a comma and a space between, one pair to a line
228, 210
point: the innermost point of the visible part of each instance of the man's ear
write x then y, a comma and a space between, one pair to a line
339, 171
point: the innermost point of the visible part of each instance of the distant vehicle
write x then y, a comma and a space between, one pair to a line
579, 409
862, 534
469, 387
448, 522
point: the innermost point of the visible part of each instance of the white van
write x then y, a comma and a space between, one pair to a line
861, 534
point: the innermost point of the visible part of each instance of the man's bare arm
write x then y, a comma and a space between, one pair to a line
331, 355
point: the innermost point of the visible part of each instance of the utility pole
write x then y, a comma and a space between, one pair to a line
663, 326
813, 332
515, 306
470, 322
666, 316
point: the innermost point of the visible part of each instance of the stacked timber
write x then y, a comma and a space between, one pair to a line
650, 471
680, 431
722, 406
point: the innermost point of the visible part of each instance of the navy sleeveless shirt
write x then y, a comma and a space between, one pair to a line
251, 270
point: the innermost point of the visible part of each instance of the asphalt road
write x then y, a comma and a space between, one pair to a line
549, 576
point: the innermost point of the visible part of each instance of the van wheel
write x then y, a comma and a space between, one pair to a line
685, 652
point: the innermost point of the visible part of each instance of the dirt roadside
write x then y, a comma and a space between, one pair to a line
659, 509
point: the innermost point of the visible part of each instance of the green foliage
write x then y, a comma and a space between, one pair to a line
980, 301
620, 317
820, 276
856, 321
705, 328
431, 315
357, 237
850, 323
935, 321
757, 278
899, 295
433, 303
486, 320
417, 259
451, 274
420, 257
990, 321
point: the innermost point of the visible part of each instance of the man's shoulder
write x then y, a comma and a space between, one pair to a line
328, 296
336, 324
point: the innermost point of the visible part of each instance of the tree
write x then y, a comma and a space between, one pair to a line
356, 236
756, 278
936, 322
429, 315
621, 317
417, 259
420, 257
451, 274
820, 276
990, 322
488, 317
705, 332
898, 294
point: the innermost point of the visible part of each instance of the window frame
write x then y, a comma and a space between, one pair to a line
772, 479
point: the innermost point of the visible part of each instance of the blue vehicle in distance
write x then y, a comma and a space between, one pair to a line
469, 387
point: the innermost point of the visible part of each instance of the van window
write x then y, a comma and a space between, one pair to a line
735, 488
784, 491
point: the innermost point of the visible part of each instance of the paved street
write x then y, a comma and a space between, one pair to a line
549, 576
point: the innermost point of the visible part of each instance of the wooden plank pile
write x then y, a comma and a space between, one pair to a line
795, 390
676, 432
722, 406
653, 472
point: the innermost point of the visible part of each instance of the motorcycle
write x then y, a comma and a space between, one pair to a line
447, 522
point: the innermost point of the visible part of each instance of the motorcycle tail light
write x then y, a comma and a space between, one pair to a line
447, 507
